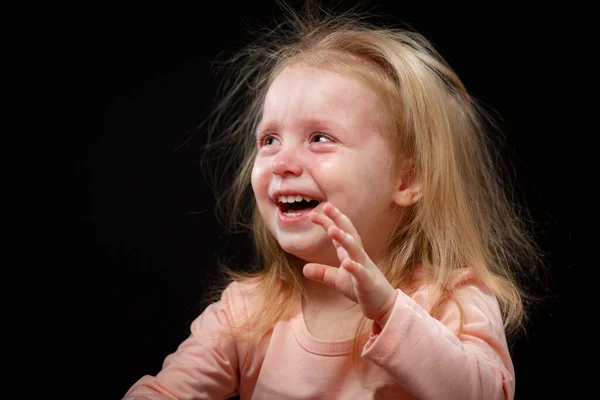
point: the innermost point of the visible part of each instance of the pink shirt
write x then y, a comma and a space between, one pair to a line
414, 355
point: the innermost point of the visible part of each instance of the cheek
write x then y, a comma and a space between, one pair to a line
334, 172
260, 179
340, 176
358, 185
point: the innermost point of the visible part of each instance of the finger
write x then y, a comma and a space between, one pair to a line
321, 219
358, 272
342, 254
321, 273
326, 223
340, 219
352, 246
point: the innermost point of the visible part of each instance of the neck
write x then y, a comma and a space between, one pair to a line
322, 297
320, 294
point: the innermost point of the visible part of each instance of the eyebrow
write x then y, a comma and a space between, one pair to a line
262, 125
314, 123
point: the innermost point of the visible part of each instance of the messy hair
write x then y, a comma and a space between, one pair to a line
465, 217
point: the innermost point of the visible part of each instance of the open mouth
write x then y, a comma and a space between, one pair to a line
296, 204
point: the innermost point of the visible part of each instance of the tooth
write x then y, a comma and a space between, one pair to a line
293, 198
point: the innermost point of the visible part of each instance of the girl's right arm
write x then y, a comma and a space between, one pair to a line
205, 365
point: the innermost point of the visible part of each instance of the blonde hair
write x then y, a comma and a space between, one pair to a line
464, 218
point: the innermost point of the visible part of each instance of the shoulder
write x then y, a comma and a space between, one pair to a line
241, 299
469, 301
464, 283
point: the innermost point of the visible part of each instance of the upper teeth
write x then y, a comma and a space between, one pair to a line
292, 199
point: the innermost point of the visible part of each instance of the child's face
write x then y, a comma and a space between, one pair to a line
320, 138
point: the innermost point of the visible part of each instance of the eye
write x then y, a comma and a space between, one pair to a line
266, 140
320, 138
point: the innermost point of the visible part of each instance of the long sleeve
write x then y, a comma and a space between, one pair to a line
429, 360
205, 365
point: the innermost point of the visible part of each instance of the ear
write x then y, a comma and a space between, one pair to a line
408, 184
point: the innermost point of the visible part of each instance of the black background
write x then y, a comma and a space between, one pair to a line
111, 227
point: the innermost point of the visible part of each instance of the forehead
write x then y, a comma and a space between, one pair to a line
302, 89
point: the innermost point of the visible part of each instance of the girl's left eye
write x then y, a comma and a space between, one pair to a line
320, 138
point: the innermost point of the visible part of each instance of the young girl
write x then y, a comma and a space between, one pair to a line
387, 249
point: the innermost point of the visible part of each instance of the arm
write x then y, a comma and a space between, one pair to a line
204, 366
421, 353
427, 357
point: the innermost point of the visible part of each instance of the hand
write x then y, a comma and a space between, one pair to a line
357, 278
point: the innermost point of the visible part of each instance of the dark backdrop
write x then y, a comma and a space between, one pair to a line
111, 226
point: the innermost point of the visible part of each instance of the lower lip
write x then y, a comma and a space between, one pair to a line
292, 218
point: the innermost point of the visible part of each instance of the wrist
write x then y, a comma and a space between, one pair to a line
381, 321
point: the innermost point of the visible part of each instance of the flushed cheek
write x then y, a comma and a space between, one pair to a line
351, 189
260, 181
336, 178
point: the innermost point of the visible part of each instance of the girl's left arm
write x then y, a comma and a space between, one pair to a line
432, 359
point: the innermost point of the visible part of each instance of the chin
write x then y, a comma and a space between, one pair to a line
311, 252
300, 250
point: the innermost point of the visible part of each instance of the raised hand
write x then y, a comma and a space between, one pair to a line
357, 277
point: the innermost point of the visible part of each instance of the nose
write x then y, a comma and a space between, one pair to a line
286, 162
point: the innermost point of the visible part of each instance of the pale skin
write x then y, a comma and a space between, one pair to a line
357, 277
319, 129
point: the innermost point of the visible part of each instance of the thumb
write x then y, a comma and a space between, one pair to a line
321, 273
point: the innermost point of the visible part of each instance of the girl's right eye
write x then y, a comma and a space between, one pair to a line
266, 140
